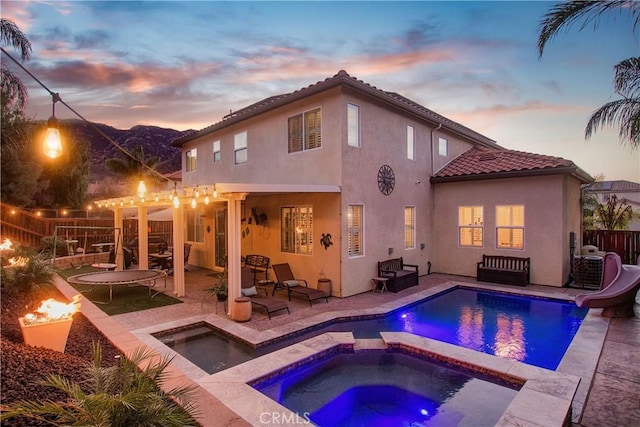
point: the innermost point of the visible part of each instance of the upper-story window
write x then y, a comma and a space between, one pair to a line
510, 227
411, 142
191, 157
305, 131
216, 151
353, 125
443, 146
470, 225
240, 147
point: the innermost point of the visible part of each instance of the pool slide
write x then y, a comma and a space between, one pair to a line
618, 289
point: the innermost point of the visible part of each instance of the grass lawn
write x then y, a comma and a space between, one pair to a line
126, 299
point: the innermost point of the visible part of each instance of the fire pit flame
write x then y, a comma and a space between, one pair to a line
52, 310
6, 245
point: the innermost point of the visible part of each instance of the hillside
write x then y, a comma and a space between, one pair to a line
155, 140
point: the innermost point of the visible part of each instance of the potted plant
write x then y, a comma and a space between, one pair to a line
219, 289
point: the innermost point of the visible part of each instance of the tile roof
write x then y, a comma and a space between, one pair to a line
613, 186
342, 78
484, 163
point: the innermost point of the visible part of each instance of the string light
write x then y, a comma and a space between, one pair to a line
215, 192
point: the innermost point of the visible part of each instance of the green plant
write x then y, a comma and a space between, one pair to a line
47, 246
28, 275
220, 288
121, 395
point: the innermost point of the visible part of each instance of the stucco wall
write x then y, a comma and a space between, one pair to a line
547, 223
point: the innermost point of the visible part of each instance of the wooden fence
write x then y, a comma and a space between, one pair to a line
26, 228
624, 243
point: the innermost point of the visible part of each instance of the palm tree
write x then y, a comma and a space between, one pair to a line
121, 395
625, 112
12, 86
135, 167
614, 215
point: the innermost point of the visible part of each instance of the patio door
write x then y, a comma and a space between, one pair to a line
221, 237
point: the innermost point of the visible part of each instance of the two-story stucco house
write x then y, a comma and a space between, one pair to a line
320, 155
339, 175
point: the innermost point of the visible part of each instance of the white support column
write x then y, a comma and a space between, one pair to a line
119, 224
234, 250
143, 238
178, 251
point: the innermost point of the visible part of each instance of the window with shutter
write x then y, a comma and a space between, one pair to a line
354, 230
470, 226
510, 227
296, 232
305, 131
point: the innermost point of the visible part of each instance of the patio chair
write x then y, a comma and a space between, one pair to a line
248, 289
286, 280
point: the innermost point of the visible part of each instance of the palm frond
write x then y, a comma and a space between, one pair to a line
11, 35
627, 78
563, 15
624, 113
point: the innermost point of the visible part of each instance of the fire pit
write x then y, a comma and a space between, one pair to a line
49, 326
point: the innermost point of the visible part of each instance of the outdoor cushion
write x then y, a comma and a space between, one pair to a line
291, 283
249, 292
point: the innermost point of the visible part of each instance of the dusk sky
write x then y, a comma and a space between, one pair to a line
184, 65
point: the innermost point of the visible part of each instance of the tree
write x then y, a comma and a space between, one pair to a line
613, 215
12, 86
123, 395
136, 167
625, 112
19, 168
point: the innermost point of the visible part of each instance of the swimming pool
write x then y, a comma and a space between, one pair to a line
533, 330
387, 388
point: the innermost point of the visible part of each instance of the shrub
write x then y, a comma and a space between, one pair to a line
46, 247
122, 395
31, 274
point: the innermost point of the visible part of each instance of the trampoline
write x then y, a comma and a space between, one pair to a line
146, 278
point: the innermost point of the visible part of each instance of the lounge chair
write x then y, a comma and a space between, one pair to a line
248, 289
286, 280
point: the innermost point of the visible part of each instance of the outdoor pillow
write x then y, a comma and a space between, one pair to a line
249, 292
291, 283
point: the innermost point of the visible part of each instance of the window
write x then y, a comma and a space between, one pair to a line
240, 147
296, 229
443, 146
470, 223
195, 225
409, 227
354, 230
411, 143
305, 131
510, 227
192, 159
353, 125
216, 151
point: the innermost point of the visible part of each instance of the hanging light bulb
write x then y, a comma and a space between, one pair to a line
176, 201
131, 201
52, 145
157, 198
215, 192
121, 203
193, 203
206, 196
196, 193
174, 193
142, 189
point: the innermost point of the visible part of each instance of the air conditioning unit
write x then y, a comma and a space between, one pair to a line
587, 271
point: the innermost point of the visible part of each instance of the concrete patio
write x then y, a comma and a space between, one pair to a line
608, 357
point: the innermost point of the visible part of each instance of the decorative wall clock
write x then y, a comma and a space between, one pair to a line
386, 179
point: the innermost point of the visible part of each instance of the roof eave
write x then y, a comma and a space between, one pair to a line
574, 171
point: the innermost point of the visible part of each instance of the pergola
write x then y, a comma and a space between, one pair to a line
232, 193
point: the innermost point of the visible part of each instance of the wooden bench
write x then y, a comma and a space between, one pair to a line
258, 264
507, 270
400, 275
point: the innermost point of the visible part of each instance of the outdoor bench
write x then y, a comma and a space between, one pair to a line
400, 275
507, 270
258, 264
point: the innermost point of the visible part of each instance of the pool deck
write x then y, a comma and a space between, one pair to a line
605, 353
